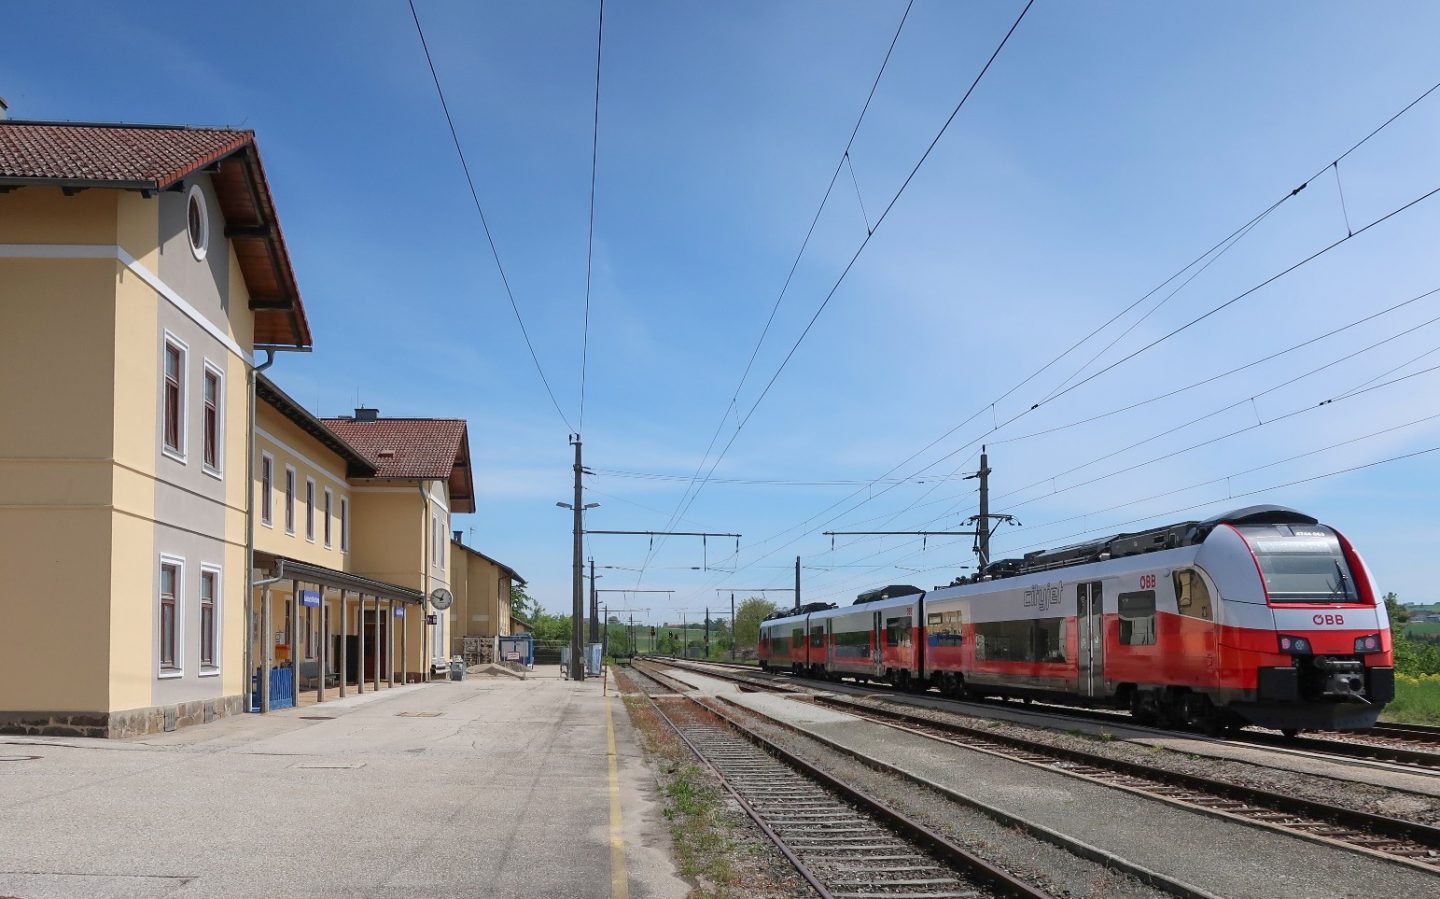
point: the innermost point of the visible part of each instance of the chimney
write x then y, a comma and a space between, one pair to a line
458, 535
4, 109
363, 414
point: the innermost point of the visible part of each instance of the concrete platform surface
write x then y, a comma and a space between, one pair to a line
493, 787
1222, 857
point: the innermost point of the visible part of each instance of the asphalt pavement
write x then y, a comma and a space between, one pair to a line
493, 787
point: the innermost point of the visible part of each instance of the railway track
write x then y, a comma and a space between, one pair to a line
1410, 843
845, 844
1411, 745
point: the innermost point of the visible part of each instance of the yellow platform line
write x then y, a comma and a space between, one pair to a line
619, 877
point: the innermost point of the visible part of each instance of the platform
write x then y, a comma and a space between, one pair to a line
492, 787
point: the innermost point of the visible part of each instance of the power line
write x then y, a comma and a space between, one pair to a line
804, 244
992, 404
590, 242
860, 250
474, 195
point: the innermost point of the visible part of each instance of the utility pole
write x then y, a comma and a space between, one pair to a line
605, 634
594, 606
983, 528
632, 634
732, 625
685, 634
577, 661
797, 582
707, 632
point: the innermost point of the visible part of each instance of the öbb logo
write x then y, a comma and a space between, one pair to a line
1335, 620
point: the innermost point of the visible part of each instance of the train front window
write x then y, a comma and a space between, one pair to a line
1302, 564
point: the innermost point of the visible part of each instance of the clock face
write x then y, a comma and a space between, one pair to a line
441, 598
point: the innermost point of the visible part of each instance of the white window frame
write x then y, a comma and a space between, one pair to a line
179, 454
329, 511
310, 509
344, 524
197, 195
291, 480
217, 470
211, 670
267, 490
161, 672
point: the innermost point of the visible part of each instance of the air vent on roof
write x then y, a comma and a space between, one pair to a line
386, 454
363, 414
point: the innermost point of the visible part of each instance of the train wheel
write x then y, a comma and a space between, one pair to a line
1290, 733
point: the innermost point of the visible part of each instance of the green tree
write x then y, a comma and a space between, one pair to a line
1398, 613
522, 604
548, 626
747, 622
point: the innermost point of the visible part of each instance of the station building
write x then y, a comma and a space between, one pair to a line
141, 268
149, 584
482, 610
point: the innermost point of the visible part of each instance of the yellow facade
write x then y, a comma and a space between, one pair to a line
482, 597
86, 501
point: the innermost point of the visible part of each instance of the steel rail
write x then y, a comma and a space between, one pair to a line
940, 848
1405, 842
1383, 743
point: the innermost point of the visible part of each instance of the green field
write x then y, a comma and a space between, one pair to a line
1423, 629
1417, 700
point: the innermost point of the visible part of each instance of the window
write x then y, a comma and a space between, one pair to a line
817, 636
437, 543
309, 634
945, 628
209, 622
174, 412
289, 500
897, 631
197, 222
1033, 640
852, 644
213, 405
310, 509
329, 510
797, 637
267, 487
1302, 565
169, 645
1192, 597
344, 524
1137, 618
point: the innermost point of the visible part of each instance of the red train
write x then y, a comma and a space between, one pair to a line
1260, 616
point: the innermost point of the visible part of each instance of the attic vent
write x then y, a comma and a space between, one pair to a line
386, 454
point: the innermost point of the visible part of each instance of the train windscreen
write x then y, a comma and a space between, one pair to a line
1302, 564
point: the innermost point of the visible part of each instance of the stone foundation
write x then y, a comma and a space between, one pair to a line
129, 723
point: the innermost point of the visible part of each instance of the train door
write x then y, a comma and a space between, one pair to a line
877, 639
1090, 630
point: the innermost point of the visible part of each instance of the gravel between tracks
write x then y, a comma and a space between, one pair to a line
1034, 860
1360, 796
728, 846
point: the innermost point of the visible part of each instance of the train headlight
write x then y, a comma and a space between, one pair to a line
1294, 645
1367, 643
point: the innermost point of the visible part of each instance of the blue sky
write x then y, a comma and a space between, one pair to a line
1110, 144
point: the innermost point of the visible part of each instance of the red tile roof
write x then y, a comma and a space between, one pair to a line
415, 448
118, 155
154, 158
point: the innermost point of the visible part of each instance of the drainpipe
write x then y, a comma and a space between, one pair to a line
425, 566
250, 583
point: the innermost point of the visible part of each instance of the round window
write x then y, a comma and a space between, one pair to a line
197, 221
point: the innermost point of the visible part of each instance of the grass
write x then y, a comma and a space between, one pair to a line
702, 828
1422, 629
1417, 700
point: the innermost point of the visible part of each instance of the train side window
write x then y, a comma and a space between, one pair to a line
1192, 597
1049, 640
797, 637
817, 636
897, 631
1137, 618
945, 629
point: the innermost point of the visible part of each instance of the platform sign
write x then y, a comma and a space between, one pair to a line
310, 598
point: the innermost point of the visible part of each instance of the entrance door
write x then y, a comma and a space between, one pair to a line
1090, 630
371, 621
